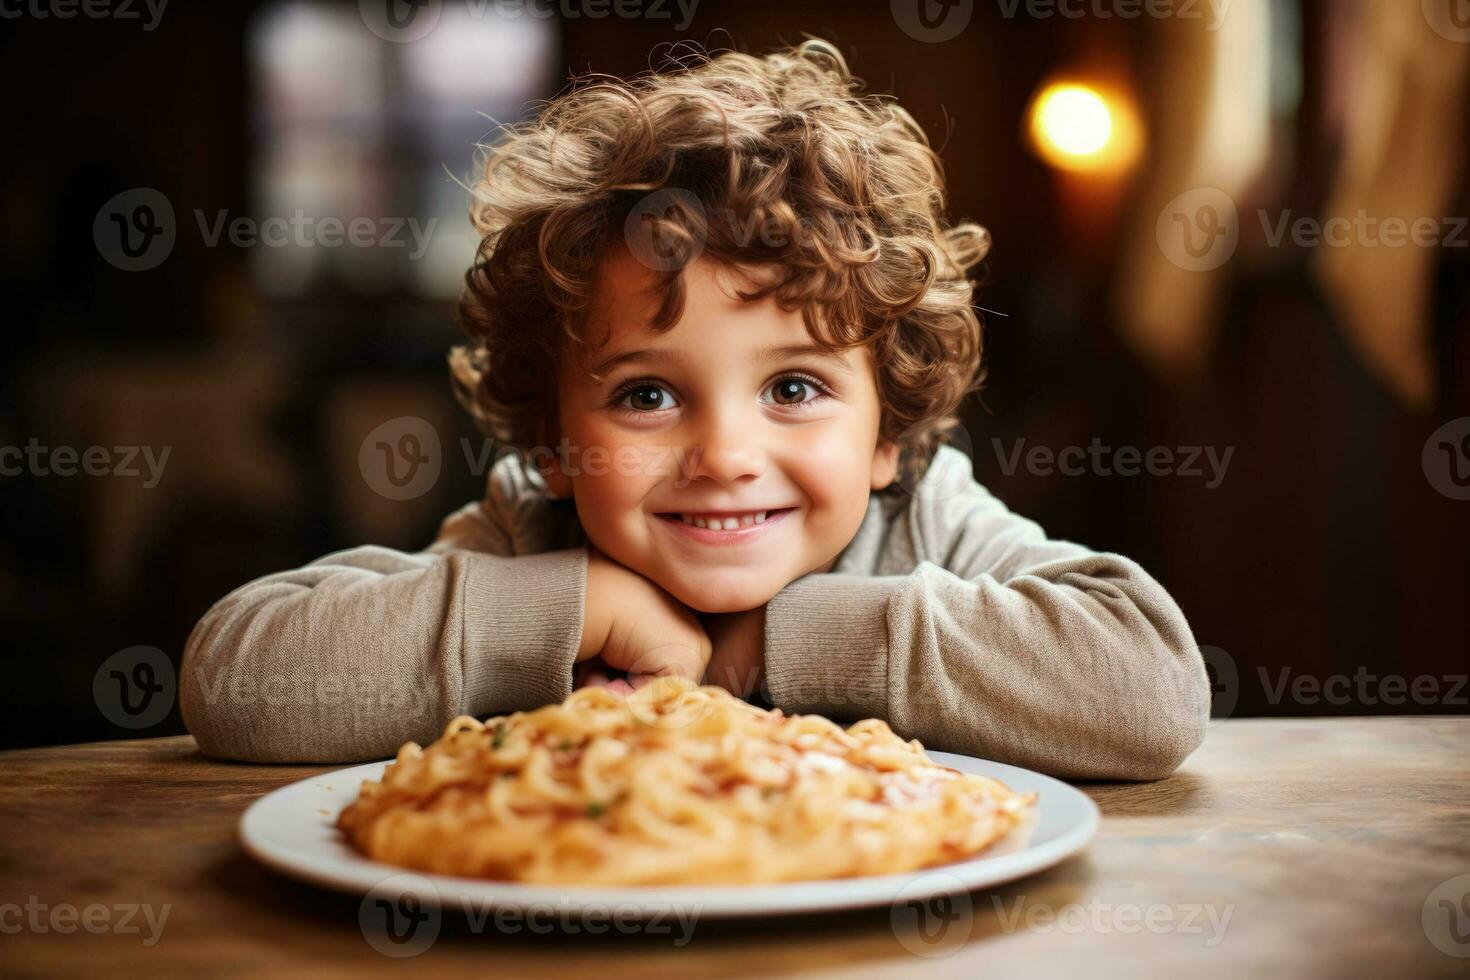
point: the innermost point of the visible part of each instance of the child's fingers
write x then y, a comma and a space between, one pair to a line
591, 674
671, 660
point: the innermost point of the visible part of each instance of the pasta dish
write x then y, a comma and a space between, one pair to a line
673, 784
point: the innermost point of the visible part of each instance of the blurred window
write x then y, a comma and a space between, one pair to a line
348, 125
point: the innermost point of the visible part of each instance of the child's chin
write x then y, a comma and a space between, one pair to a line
706, 597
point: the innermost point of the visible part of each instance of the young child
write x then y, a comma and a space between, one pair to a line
721, 318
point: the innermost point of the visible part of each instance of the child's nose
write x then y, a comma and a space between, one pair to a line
727, 447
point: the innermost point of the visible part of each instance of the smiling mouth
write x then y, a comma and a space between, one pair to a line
724, 520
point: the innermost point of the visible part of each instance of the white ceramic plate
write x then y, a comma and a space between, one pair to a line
293, 830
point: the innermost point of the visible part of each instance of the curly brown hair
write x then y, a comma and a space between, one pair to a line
846, 192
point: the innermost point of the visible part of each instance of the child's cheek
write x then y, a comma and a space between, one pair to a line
834, 473
613, 498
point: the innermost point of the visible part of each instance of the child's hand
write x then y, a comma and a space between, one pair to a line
595, 673
738, 663
634, 626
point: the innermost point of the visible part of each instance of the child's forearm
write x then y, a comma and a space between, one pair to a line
350, 656
1082, 667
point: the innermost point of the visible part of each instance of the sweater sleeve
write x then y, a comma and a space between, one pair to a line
1011, 646
356, 653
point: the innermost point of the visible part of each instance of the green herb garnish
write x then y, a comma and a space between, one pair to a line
498, 739
594, 810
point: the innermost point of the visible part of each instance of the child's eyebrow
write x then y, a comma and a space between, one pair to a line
657, 355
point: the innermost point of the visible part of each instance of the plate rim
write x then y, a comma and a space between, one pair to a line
363, 875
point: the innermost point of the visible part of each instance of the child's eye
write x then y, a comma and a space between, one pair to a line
645, 396
796, 389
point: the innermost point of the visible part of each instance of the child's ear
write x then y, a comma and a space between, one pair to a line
885, 464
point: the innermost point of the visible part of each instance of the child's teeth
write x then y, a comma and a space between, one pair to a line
725, 523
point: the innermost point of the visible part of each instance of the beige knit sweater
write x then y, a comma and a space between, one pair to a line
958, 622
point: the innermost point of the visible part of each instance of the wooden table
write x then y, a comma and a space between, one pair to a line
1282, 848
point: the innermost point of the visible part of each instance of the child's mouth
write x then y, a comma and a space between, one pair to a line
723, 526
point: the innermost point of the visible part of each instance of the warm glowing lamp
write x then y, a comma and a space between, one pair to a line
1077, 127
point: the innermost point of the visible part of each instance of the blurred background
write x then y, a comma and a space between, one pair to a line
1227, 306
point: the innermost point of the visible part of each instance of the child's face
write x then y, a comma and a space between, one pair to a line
716, 420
